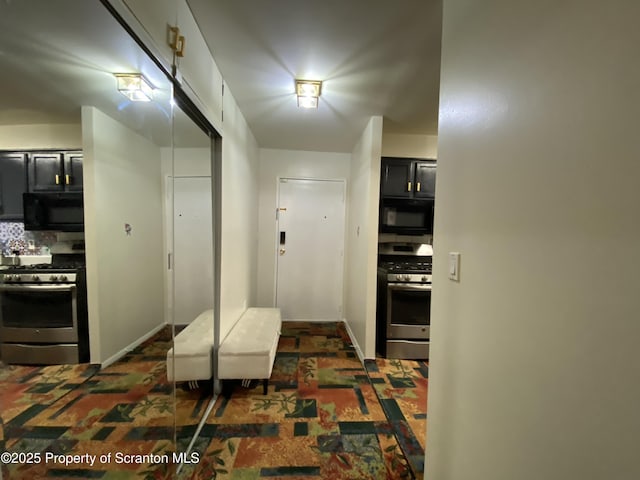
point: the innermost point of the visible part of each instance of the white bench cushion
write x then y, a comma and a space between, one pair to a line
193, 347
249, 350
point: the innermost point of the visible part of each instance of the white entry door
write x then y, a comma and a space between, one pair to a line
310, 249
192, 247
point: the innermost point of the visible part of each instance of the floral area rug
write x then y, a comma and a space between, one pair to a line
401, 386
82, 422
320, 419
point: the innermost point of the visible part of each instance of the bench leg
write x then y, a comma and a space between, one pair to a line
227, 388
206, 386
265, 386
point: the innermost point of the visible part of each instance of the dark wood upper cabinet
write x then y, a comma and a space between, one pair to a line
73, 171
13, 183
55, 171
425, 179
20, 172
45, 172
407, 178
397, 178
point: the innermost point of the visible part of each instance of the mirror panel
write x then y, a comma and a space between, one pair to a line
59, 93
192, 280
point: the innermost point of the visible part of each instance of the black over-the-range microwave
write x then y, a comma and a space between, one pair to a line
63, 212
408, 217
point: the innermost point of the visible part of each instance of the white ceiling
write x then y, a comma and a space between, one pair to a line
57, 56
375, 57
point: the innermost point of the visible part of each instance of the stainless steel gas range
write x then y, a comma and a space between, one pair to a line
43, 312
404, 300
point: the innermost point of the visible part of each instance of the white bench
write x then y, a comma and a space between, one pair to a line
193, 348
249, 350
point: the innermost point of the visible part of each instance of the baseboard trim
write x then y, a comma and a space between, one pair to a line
117, 356
356, 346
354, 341
313, 320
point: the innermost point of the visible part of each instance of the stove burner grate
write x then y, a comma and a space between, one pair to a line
407, 267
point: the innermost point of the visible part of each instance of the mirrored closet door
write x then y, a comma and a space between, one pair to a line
88, 118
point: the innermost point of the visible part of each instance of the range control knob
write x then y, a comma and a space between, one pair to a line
399, 277
35, 278
63, 278
53, 278
407, 278
425, 279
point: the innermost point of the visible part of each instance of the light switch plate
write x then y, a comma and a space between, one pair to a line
454, 266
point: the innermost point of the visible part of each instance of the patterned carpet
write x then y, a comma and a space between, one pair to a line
320, 419
401, 386
52, 413
323, 417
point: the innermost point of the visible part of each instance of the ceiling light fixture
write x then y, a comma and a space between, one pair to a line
135, 87
308, 92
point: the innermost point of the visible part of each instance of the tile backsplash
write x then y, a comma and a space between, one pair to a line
13, 237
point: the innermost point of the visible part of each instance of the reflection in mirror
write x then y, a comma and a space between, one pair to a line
97, 386
191, 248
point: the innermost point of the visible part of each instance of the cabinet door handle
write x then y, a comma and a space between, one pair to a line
174, 33
417, 186
57, 179
67, 179
180, 46
176, 41
408, 186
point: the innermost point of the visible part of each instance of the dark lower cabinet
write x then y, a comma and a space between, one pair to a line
13, 183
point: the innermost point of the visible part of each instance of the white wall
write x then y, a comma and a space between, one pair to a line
239, 227
61, 136
534, 362
276, 164
122, 184
362, 237
192, 162
409, 146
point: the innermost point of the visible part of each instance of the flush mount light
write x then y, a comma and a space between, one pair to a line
135, 87
308, 92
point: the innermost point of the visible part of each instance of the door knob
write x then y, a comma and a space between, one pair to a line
282, 250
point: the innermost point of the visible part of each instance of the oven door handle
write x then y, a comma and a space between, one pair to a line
41, 288
409, 286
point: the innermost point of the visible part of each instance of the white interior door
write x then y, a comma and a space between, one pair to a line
192, 248
310, 249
